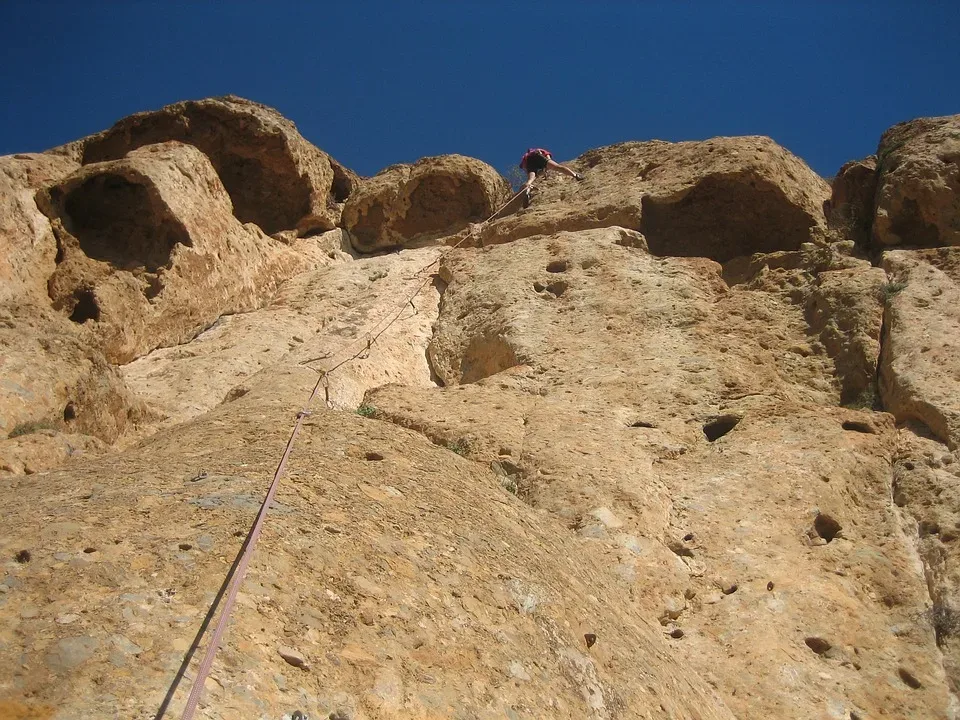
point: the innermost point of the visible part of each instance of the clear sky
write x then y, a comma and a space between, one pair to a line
376, 83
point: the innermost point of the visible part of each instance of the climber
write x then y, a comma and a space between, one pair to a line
536, 161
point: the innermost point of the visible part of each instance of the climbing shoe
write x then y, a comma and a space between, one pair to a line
577, 176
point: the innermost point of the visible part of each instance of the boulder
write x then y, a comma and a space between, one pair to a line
150, 251
719, 198
918, 189
434, 197
275, 177
27, 245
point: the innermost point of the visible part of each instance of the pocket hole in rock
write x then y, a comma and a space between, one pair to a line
679, 549
558, 266
69, 412
860, 427
89, 550
539, 287
909, 679
22, 557
676, 633
185, 546
85, 306
688, 537
718, 427
770, 586
818, 644
642, 424
557, 288
373, 456
826, 527
731, 589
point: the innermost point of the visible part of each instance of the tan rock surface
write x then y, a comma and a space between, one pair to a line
275, 178
644, 408
44, 448
927, 487
846, 310
51, 374
920, 369
593, 473
320, 317
719, 198
150, 251
379, 573
430, 199
918, 191
27, 244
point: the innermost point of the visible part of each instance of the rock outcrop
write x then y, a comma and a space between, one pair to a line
435, 197
851, 206
150, 252
51, 375
676, 442
918, 188
720, 198
920, 368
27, 245
275, 178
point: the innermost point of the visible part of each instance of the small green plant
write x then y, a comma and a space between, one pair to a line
460, 447
887, 291
366, 410
509, 483
945, 621
866, 400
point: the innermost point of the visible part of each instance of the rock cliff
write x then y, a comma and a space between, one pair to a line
679, 440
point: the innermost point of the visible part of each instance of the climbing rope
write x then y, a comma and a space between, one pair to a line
246, 551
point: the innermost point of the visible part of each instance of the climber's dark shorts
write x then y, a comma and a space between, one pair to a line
535, 163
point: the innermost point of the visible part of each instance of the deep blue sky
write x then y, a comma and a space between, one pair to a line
375, 83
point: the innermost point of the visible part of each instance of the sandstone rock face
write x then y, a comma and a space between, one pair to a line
846, 310
319, 318
50, 374
275, 178
641, 404
150, 252
719, 198
27, 244
676, 452
918, 192
920, 369
44, 448
432, 198
424, 623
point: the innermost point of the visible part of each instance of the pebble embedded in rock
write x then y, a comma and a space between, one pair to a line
293, 657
